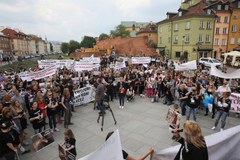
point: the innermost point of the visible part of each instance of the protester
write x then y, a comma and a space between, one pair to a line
67, 102
121, 92
223, 108
193, 146
36, 118
69, 142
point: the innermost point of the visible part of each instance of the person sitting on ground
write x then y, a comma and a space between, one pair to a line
129, 157
130, 94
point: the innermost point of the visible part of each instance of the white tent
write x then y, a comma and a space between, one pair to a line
234, 54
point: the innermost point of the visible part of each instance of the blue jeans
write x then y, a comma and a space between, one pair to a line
183, 104
188, 113
121, 99
100, 105
52, 121
220, 114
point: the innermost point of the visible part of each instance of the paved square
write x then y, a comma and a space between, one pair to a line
141, 124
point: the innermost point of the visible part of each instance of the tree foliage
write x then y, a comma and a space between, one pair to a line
73, 45
103, 36
152, 43
120, 31
64, 47
51, 47
88, 42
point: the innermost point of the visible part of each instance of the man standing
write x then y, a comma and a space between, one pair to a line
100, 96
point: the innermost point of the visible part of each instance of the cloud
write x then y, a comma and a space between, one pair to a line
72, 19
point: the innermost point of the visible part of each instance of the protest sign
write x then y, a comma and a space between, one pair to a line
141, 60
29, 76
235, 105
218, 73
42, 140
65, 155
84, 66
172, 117
216, 144
192, 65
111, 149
83, 95
188, 73
59, 63
95, 60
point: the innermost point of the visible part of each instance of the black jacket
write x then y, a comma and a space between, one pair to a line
190, 152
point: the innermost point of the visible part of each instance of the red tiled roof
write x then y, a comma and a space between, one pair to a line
13, 34
130, 46
150, 28
197, 9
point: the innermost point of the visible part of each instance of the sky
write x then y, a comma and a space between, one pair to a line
64, 20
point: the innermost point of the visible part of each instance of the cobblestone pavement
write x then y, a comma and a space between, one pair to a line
141, 124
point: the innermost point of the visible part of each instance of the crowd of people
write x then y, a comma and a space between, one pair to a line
49, 102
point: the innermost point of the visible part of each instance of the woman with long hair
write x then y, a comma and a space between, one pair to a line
67, 102
69, 142
193, 146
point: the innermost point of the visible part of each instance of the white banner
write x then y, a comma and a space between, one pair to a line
221, 146
192, 65
29, 76
59, 63
118, 65
235, 105
233, 75
141, 60
84, 66
83, 95
110, 150
92, 59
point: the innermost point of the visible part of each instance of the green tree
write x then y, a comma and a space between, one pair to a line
64, 47
120, 31
152, 43
73, 45
88, 42
103, 36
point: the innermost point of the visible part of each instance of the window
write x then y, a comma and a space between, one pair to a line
209, 26
234, 16
200, 38
224, 42
217, 30
226, 7
219, 7
160, 40
175, 39
232, 41
160, 29
233, 28
177, 54
187, 25
175, 27
218, 19
225, 31
238, 40
207, 38
226, 19
209, 11
201, 25
186, 38
216, 41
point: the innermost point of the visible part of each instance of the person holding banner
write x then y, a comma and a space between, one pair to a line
126, 156
224, 105
193, 146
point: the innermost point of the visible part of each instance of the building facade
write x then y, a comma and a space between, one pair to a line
56, 46
234, 27
5, 46
133, 27
187, 34
149, 31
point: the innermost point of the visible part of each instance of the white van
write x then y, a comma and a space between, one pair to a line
208, 62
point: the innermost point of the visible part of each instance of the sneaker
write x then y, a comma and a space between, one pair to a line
120, 106
51, 130
221, 129
56, 129
213, 128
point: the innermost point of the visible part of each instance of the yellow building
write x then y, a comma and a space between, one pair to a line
150, 31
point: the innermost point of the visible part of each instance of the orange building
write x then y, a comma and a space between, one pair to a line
234, 26
150, 31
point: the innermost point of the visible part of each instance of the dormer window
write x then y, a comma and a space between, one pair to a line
226, 7
209, 11
219, 7
180, 13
